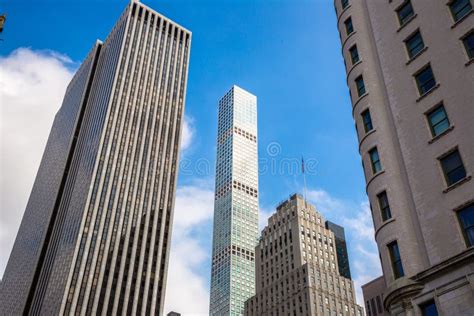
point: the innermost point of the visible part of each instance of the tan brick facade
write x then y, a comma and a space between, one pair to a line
410, 73
296, 267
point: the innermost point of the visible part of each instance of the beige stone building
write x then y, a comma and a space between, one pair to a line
373, 297
297, 268
410, 72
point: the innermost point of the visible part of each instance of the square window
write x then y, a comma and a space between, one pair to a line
438, 120
384, 206
367, 121
344, 3
429, 309
425, 80
453, 167
414, 44
466, 219
460, 8
354, 54
405, 13
349, 26
396, 260
469, 44
375, 160
360, 86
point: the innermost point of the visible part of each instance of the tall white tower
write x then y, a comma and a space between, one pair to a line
236, 204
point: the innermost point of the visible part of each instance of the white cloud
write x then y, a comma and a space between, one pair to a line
187, 287
32, 85
187, 133
361, 223
263, 215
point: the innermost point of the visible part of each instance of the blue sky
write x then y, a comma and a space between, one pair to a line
285, 52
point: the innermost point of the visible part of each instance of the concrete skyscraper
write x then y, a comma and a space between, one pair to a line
297, 266
410, 71
236, 204
95, 235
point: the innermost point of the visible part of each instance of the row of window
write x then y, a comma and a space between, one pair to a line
466, 221
458, 8
451, 164
437, 117
424, 78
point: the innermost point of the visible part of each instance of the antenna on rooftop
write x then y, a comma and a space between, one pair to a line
304, 179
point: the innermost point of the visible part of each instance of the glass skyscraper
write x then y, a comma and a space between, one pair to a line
96, 231
236, 204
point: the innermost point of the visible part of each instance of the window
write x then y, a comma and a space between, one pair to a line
405, 13
372, 306
354, 54
429, 309
460, 8
396, 260
375, 160
438, 120
425, 80
384, 206
453, 167
367, 121
360, 86
379, 305
466, 218
414, 44
469, 44
349, 26
344, 3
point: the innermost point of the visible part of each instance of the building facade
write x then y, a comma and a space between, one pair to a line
373, 297
297, 269
95, 235
341, 249
410, 81
236, 204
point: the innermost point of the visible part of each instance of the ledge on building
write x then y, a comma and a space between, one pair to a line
407, 22
427, 93
372, 179
460, 258
455, 185
352, 67
342, 12
385, 223
449, 129
400, 289
347, 38
365, 136
358, 101
462, 19
416, 55
469, 62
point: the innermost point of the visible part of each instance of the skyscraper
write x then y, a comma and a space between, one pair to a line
236, 204
341, 249
410, 72
297, 266
96, 231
